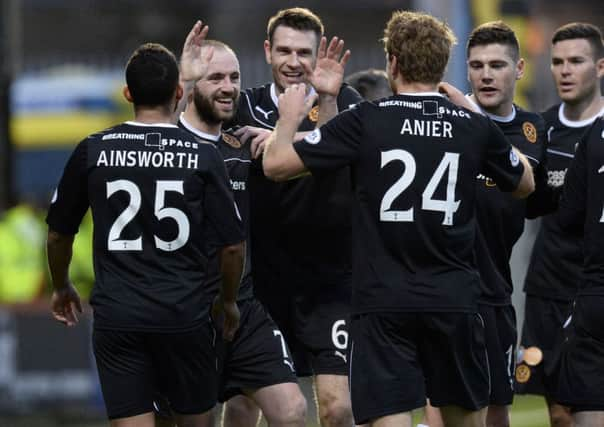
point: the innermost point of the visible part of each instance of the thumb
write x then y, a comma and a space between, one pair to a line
311, 101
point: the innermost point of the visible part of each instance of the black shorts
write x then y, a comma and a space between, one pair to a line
581, 378
501, 337
136, 366
543, 320
257, 357
399, 359
314, 320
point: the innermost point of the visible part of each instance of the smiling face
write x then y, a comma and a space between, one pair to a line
289, 53
492, 73
216, 94
576, 73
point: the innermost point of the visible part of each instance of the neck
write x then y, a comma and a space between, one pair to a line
584, 108
150, 115
501, 110
192, 117
414, 87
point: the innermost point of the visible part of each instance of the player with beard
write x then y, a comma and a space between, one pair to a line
301, 229
157, 197
257, 362
555, 267
581, 382
414, 159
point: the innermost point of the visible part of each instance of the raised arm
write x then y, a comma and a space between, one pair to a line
193, 62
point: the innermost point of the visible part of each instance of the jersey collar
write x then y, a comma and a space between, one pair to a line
188, 126
158, 125
421, 94
577, 123
494, 117
275, 97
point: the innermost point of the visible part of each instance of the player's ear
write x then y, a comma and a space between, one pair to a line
127, 94
519, 68
393, 67
600, 67
179, 92
267, 51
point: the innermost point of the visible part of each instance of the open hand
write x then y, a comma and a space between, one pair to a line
193, 65
328, 74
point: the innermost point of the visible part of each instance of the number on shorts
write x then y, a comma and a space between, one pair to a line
339, 337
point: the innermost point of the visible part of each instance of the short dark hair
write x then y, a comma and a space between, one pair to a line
298, 18
495, 32
581, 30
152, 75
372, 84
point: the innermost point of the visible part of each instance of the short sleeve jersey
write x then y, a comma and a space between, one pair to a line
583, 205
155, 195
301, 229
414, 162
555, 268
500, 215
237, 159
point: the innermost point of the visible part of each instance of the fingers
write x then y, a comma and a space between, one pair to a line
336, 46
310, 101
322, 47
229, 329
257, 147
345, 59
194, 31
207, 54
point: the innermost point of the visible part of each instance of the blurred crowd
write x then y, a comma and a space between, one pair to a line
23, 270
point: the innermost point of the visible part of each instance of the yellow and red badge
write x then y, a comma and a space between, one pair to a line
313, 114
231, 140
530, 132
523, 373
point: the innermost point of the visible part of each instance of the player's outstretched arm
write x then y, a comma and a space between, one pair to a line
280, 161
527, 183
231, 265
65, 299
328, 75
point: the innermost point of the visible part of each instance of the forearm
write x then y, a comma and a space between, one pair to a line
231, 265
278, 144
328, 109
527, 182
59, 252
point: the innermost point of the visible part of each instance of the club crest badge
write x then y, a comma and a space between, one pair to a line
231, 140
530, 132
523, 373
313, 115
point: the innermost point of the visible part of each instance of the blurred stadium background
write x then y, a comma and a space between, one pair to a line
61, 76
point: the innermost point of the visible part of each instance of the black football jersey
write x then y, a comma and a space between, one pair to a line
156, 195
500, 215
555, 266
414, 160
582, 206
301, 229
237, 159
